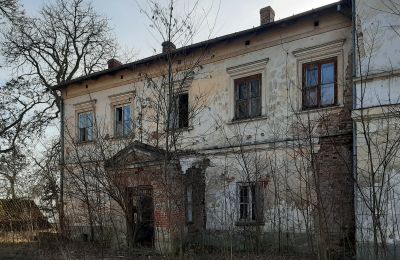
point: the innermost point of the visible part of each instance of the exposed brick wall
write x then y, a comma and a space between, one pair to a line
168, 197
334, 166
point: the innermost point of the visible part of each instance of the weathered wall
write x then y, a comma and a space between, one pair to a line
285, 147
376, 117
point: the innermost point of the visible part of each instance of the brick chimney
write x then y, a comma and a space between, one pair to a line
113, 63
267, 15
167, 46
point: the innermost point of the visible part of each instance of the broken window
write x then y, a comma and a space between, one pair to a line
251, 201
248, 97
85, 126
319, 84
123, 120
180, 113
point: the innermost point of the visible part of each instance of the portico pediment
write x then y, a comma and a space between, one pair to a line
137, 154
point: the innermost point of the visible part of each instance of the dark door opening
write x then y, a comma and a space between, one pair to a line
144, 219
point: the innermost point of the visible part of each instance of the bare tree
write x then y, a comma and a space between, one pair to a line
377, 120
10, 10
66, 40
12, 166
24, 113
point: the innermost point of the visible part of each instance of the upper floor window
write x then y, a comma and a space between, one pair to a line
123, 120
251, 201
85, 126
319, 84
180, 114
248, 97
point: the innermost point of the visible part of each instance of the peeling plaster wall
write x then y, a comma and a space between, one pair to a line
377, 82
273, 140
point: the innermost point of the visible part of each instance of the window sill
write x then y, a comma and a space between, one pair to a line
320, 109
246, 120
119, 138
82, 143
183, 129
242, 223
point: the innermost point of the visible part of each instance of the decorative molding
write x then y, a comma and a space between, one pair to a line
381, 75
247, 67
121, 98
333, 46
85, 106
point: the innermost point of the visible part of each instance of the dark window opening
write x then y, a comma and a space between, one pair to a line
180, 115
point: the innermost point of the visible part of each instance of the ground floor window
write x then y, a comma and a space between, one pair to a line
251, 201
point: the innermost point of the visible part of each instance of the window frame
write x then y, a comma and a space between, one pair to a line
249, 99
175, 115
80, 139
319, 64
255, 206
122, 106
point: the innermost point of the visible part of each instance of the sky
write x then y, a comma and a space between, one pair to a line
131, 26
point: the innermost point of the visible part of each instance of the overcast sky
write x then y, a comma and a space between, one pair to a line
131, 27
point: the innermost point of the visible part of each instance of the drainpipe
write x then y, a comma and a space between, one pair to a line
354, 72
61, 207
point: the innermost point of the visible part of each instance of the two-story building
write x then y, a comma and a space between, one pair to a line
235, 141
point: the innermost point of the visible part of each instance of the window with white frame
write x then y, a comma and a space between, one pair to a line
123, 120
251, 201
85, 126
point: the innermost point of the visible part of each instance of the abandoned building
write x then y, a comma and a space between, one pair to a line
239, 140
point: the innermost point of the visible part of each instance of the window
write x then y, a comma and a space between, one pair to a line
189, 204
85, 126
248, 97
123, 120
180, 113
251, 201
319, 84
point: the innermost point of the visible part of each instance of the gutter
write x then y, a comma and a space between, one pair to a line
61, 164
354, 96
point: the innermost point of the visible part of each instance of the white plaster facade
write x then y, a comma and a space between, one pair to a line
377, 93
268, 143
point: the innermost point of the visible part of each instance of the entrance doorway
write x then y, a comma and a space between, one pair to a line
143, 216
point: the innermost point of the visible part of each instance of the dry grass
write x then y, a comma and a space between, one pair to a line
59, 250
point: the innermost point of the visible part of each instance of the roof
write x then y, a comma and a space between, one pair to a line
20, 214
207, 43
